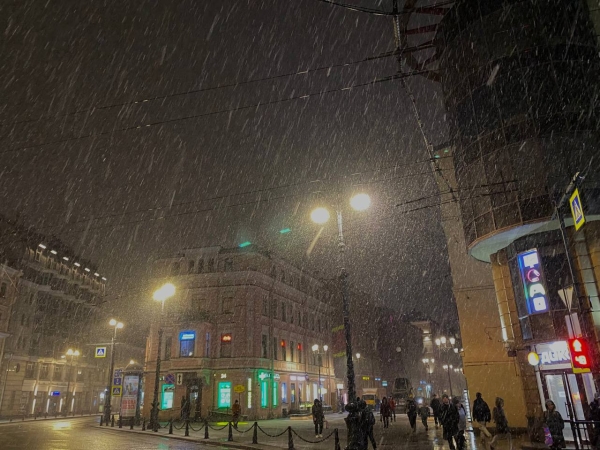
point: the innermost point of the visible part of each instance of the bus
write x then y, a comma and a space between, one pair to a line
402, 389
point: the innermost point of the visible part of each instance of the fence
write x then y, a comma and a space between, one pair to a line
255, 428
42, 416
585, 433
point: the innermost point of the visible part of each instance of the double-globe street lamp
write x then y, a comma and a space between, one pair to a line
445, 345
160, 295
73, 354
359, 202
319, 354
107, 403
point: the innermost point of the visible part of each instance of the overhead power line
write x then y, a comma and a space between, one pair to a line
377, 12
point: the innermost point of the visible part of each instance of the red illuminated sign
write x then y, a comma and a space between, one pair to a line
226, 337
580, 355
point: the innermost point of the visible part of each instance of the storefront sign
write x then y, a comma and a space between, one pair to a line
554, 355
187, 336
530, 268
224, 395
168, 393
262, 375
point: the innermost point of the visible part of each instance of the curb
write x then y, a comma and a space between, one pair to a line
49, 419
231, 444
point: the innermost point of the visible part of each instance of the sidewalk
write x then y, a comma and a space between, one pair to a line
274, 434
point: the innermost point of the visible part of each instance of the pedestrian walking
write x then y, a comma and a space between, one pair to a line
462, 423
424, 413
411, 412
436, 406
368, 423
385, 412
318, 417
236, 410
595, 417
555, 424
502, 429
393, 408
449, 419
481, 416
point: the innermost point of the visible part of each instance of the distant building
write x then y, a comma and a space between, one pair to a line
55, 308
9, 281
241, 326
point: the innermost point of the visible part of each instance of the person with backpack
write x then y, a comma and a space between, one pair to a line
481, 416
462, 424
555, 424
318, 418
368, 422
449, 419
411, 412
502, 429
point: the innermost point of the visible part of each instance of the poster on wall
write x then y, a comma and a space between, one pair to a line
130, 394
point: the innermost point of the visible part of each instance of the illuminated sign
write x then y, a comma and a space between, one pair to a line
187, 336
553, 355
262, 375
533, 282
168, 393
384, 383
366, 378
580, 355
226, 337
224, 399
223, 375
55, 393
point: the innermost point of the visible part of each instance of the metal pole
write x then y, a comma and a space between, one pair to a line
154, 411
450, 382
68, 387
319, 355
107, 402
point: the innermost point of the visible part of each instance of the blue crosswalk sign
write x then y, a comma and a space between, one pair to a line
577, 210
100, 352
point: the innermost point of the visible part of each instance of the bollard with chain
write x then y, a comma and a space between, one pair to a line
187, 427
171, 426
131, 424
337, 439
112, 421
290, 439
120, 421
144, 424
255, 433
206, 429
230, 434
101, 421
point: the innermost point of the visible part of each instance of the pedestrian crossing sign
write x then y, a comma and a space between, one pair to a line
577, 210
116, 391
100, 352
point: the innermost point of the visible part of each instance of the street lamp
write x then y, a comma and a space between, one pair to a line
447, 368
315, 349
160, 295
359, 202
73, 354
107, 403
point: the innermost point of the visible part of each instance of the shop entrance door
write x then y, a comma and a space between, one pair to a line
559, 394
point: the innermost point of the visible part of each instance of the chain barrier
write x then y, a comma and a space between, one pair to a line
218, 429
313, 442
245, 431
199, 429
272, 435
181, 427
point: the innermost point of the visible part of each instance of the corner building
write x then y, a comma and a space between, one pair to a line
240, 327
519, 81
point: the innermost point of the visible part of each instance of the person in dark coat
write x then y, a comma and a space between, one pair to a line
555, 424
436, 406
318, 418
595, 416
385, 412
368, 422
481, 416
424, 413
449, 419
411, 412
502, 429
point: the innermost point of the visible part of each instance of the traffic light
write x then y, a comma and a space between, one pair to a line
580, 355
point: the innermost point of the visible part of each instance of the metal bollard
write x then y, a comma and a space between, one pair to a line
120, 421
337, 439
290, 439
171, 426
131, 424
112, 421
144, 424
101, 420
206, 429
230, 434
187, 427
255, 433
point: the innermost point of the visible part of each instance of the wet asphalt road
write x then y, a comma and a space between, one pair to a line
81, 434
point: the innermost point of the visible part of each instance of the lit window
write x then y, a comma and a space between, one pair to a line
187, 343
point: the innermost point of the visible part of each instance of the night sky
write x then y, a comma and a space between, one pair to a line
124, 183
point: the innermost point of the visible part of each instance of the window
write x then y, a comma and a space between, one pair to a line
305, 320
265, 309
299, 319
283, 392
275, 393
227, 303
274, 308
30, 370
264, 394
207, 346
57, 373
3, 290
44, 371
22, 319
274, 348
187, 342
291, 351
283, 318
264, 352
283, 351
226, 345
293, 393
228, 265
168, 344
211, 265
191, 266
200, 266
300, 353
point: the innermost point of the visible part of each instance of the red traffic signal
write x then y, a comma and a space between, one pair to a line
580, 355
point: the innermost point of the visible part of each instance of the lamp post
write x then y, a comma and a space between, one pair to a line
315, 349
447, 369
107, 403
359, 202
73, 354
160, 295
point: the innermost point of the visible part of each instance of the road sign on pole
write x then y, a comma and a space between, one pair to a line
100, 352
116, 391
169, 378
179, 379
577, 209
